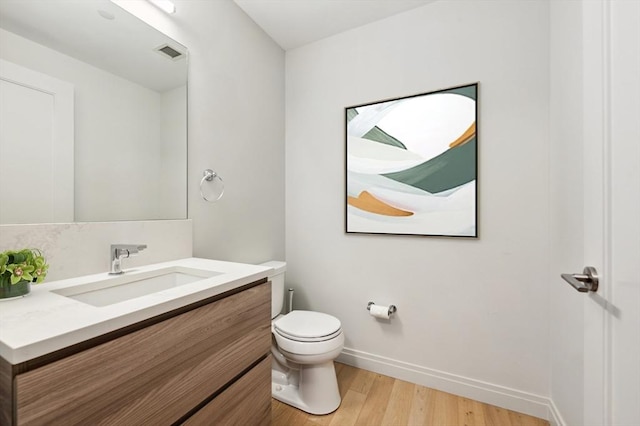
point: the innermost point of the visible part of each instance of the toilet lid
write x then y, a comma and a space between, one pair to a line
307, 325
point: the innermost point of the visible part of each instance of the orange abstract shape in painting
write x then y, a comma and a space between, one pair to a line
369, 203
465, 137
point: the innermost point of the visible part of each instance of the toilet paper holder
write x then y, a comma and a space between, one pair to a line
392, 308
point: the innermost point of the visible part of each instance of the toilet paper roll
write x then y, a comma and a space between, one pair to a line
379, 311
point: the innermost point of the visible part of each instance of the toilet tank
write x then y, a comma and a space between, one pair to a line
277, 285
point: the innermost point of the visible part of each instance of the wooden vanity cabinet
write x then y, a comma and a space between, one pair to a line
205, 363
242, 403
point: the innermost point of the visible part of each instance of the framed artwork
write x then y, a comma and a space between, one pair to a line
411, 165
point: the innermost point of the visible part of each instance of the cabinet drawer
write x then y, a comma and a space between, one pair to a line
245, 402
154, 375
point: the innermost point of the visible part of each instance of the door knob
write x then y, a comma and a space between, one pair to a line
585, 282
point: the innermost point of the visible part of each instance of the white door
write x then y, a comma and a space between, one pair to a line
612, 211
36, 147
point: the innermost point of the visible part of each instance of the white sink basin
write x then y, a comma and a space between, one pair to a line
126, 287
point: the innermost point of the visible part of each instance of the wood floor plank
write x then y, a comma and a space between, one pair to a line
539, 422
363, 381
377, 400
298, 418
470, 413
350, 409
279, 413
346, 377
445, 410
515, 419
519, 419
325, 420
421, 404
495, 416
284, 415
399, 405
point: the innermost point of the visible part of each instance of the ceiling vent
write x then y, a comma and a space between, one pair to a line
170, 52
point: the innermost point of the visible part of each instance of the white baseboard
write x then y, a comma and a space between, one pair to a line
555, 419
511, 399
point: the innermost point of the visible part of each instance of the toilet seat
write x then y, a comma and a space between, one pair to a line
309, 339
310, 350
308, 333
307, 326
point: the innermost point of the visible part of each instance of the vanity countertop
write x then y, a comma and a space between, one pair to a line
44, 321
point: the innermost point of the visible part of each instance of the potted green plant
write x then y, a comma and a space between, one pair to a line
18, 269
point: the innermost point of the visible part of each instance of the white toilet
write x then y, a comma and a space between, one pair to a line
304, 345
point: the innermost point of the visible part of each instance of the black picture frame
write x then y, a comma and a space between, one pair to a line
411, 164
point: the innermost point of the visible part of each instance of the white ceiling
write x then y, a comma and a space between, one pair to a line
293, 23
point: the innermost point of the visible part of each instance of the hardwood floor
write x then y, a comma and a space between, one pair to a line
371, 399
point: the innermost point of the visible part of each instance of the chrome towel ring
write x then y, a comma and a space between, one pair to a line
208, 176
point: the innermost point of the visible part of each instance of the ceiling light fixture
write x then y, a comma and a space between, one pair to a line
165, 5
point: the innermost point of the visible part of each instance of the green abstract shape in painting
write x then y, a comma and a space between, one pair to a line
468, 91
448, 170
378, 135
351, 113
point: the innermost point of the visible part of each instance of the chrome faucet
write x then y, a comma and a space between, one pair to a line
123, 251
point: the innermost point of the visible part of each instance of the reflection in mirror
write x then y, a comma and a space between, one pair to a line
93, 123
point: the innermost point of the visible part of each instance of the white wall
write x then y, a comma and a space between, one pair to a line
566, 225
117, 135
475, 309
173, 137
236, 126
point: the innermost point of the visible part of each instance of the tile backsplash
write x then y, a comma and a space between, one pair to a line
75, 249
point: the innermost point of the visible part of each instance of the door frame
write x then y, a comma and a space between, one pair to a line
63, 132
597, 88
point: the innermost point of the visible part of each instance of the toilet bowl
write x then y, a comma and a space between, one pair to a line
304, 345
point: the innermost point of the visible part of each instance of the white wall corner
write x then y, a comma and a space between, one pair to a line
555, 418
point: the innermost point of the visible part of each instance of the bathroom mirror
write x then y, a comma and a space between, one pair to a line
93, 105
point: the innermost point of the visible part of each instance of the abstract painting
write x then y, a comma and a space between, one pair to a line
411, 165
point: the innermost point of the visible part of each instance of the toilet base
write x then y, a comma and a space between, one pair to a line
310, 388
